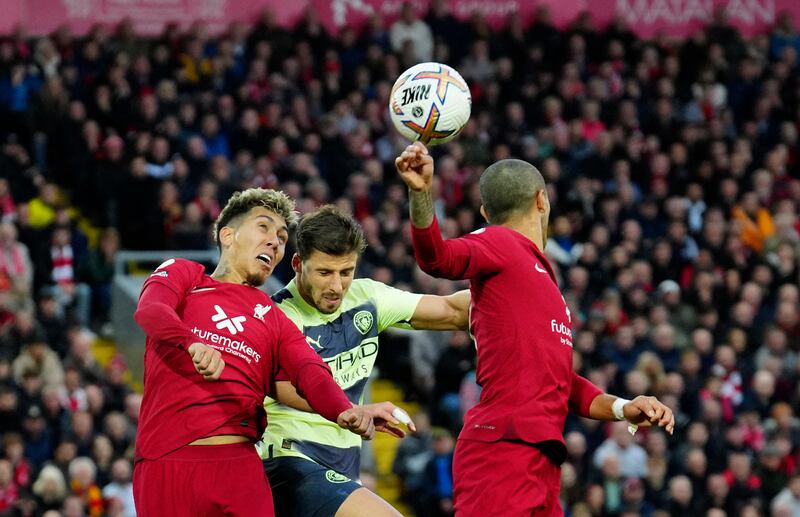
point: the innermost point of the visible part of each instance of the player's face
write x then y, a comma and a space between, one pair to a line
323, 280
257, 245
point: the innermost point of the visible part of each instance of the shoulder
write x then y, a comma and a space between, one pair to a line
180, 274
489, 233
364, 290
179, 265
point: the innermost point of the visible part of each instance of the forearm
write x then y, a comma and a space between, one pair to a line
601, 408
421, 208
287, 394
324, 396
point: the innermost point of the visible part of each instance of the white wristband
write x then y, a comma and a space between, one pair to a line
616, 408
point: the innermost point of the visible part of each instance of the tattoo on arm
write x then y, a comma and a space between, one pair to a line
421, 208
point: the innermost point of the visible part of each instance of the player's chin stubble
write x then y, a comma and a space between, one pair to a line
255, 280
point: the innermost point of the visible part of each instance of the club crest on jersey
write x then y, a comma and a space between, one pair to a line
259, 311
335, 477
232, 325
363, 321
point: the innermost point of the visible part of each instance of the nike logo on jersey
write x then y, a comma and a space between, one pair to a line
232, 325
201, 289
540, 269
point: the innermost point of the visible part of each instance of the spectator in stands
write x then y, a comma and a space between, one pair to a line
97, 271
120, 488
411, 30
438, 487
674, 161
82, 472
49, 489
56, 268
632, 457
16, 270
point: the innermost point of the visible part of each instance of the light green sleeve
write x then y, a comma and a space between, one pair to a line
395, 306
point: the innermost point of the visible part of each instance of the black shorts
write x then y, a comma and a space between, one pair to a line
302, 488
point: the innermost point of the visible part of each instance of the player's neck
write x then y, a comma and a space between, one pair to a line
532, 229
225, 273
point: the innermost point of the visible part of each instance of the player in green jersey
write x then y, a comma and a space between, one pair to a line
312, 465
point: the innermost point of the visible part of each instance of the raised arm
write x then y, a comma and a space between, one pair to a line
588, 401
455, 258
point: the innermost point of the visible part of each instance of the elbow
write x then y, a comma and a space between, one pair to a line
433, 268
144, 315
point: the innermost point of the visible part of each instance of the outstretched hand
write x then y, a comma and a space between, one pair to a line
384, 416
415, 166
646, 411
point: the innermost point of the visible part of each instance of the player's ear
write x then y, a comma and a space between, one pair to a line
484, 214
296, 262
226, 234
541, 201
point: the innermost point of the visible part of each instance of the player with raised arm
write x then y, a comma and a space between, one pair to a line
313, 465
214, 345
509, 452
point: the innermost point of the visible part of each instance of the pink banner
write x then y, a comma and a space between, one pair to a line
646, 17
149, 16
682, 17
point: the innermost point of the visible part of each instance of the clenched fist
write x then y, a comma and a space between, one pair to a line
207, 361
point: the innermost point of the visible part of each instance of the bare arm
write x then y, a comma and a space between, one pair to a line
442, 312
381, 413
286, 394
421, 207
415, 166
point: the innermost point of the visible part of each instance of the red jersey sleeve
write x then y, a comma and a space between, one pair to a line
582, 395
312, 378
465, 257
161, 295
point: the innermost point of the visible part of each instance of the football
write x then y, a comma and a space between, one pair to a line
430, 102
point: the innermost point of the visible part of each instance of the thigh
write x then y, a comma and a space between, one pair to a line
303, 488
502, 478
239, 488
365, 502
157, 491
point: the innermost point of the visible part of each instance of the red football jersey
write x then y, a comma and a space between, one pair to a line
522, 330
181, 305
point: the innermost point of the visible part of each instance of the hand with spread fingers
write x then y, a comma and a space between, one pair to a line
386, 417
207, 361
648, 411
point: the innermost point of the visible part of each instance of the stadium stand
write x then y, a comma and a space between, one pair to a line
674, 170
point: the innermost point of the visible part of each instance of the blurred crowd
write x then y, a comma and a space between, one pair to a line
673, 169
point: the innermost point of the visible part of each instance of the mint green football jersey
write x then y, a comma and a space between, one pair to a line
347, 340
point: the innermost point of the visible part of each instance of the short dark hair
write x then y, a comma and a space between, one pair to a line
509, 187
330, 231
242, 202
